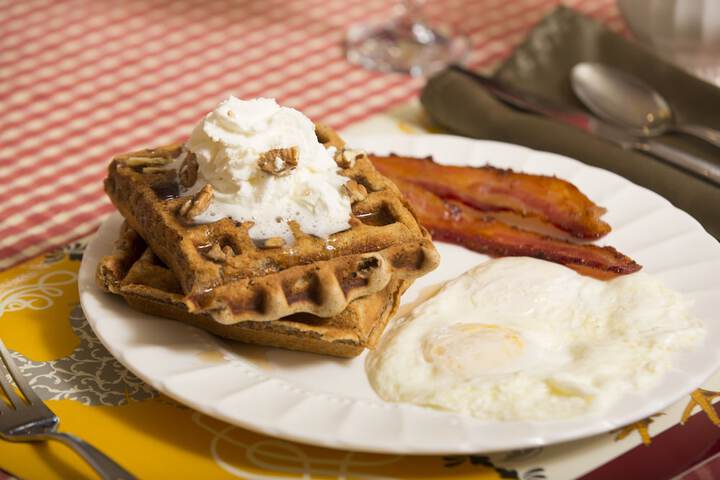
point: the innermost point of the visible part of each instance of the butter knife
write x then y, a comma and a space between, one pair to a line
588, 123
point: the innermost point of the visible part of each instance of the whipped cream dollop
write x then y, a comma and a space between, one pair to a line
228, 143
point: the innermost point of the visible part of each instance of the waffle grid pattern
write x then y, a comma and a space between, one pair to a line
147, 285
312, 275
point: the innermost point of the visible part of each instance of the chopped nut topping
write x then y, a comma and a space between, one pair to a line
220, 255
188, 171
146, 161
356, 191
216, 254
185, 207
167, 152
346, 158
198, 203
279, 161
273, 242
155, 170
328, 137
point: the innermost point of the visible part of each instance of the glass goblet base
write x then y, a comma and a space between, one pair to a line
402, 46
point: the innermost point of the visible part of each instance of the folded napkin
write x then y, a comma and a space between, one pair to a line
541, 65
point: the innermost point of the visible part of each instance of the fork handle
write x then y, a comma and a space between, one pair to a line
103, 465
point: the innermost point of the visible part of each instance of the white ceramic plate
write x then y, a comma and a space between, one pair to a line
328, 402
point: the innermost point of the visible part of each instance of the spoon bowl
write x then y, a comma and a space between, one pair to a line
628, 102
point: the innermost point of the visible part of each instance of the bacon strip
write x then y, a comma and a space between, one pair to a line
491, 189
455, 222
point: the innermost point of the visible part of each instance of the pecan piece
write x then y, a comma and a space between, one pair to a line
188, 171
328, 137
146, 161
355, 191
273, 242
216, 254
279, 161
346, 157
220, 255
170, 152
198, 203
155, 170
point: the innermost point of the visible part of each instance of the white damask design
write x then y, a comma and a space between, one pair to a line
89, 374
38, 295
287, 458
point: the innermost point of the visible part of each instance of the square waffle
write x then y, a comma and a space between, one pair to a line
223, 273
147, 285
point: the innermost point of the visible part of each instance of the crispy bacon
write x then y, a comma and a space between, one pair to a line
491, 189
454, 222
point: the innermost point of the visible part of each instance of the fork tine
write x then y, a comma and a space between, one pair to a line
4, 407
7, 388
9, 365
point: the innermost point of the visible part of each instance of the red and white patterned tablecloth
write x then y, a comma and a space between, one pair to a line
82, 80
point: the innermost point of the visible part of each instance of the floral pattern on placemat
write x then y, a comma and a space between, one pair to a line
89, 374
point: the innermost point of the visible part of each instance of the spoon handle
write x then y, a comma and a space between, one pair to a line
681, 159
710, 135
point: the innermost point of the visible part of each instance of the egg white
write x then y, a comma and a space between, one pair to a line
526, 339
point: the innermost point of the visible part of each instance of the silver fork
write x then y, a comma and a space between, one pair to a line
33, 421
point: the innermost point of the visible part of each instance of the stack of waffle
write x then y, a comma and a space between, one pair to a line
332, 296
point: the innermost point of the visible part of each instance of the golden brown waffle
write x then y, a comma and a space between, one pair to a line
233, 278
147, 285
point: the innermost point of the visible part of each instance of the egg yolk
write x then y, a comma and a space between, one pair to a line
469, 350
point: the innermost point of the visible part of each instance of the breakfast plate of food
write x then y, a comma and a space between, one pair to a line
416, 294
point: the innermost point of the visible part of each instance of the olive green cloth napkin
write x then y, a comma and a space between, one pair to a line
456, 102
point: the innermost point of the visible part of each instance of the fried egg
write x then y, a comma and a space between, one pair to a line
525, 339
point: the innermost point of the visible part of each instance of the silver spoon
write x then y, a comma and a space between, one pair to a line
628, 102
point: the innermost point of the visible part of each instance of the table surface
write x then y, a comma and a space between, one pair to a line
83, 80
